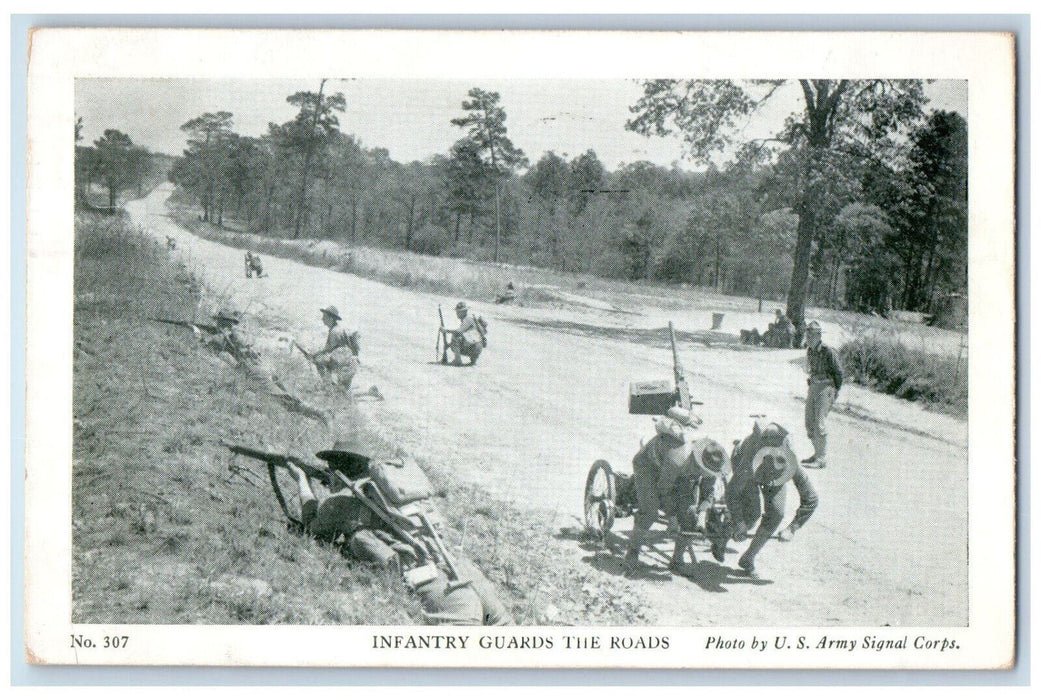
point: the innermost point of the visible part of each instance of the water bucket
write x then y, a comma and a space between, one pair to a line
717, 321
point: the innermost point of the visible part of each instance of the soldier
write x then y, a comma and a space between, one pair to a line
343, 513
254, 265
763, 464
779, 335
674, 476
338, 360
228, 340
824, 382
468, 339
507, 295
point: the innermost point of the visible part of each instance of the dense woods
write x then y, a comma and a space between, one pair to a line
859, 201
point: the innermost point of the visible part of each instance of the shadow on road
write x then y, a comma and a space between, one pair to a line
607, 555
655, 337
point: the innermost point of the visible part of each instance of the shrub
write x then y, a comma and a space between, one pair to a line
892, 367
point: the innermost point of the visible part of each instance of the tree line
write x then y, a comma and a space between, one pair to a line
859, 201
114, 163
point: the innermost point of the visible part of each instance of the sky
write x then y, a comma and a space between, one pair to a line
411, 118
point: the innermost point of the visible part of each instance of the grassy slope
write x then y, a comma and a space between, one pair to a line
163, 532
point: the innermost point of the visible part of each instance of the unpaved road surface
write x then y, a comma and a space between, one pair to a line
888, 544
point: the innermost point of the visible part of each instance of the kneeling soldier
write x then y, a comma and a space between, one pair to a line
338, 360
467, 340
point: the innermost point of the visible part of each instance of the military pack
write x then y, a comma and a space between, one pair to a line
401, 481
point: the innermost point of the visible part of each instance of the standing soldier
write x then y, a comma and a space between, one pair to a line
824, 382
676, 477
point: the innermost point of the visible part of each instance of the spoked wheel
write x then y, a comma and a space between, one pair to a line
600, 496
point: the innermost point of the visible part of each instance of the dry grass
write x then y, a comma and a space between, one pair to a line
888, 364
471, 279
164, 532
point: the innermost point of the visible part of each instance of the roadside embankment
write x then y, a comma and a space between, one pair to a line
163, 530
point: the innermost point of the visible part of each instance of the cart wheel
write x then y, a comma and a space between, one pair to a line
599, 499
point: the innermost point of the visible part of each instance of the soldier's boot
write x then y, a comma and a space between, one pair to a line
719, 549
632, 554
813, 457
679, 550
747, 560
788, 533
820, 448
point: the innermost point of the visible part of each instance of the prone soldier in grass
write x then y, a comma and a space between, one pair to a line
226, 340
380, 512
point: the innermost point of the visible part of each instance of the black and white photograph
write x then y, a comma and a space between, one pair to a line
638, 370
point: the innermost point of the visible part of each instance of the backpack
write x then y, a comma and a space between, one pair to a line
354, 343
401, 481
482, 329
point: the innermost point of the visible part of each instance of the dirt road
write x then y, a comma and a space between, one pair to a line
888, 544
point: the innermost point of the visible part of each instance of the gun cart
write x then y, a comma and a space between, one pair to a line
610, 494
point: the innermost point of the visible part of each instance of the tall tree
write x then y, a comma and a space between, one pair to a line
202, 170
120, 164
854, 117
550, 183
485, 123
465, 182
314, 126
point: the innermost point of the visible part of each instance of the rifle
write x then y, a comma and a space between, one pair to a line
308, 355
441, 338
209, 328
396, 523
273, 460
682, 389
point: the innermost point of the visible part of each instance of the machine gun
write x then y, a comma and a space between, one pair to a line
654, 398
682, 388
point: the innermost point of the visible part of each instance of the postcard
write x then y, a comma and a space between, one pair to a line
521, 349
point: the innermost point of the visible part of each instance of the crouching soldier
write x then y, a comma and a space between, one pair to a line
763, 464
507, 296
254, 265
350, 513
779, 335
469, 339
338, 360
677, 477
